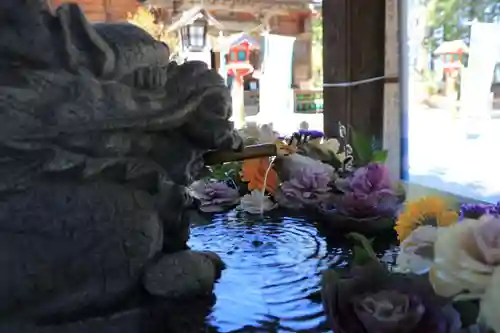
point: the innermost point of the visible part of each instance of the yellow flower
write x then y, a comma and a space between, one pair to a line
425, 211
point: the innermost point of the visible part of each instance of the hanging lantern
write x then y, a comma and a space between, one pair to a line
194, 35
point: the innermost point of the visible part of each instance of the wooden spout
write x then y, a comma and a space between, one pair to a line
256, 151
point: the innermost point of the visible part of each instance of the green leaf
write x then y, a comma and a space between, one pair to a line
379, 156
334, 161
360, 256
363, 253
329, 280
226, 171
362, 146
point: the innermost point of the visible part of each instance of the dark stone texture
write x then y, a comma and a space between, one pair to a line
153, 317
99, 135
179, 273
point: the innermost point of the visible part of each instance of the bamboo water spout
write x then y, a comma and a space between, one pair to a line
254, 151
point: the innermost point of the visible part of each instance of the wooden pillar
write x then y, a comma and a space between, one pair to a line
238, 96
353, 50
393, 125
223, 50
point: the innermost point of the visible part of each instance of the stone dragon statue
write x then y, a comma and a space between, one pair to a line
99, 136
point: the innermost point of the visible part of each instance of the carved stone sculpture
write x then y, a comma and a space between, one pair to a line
99, 135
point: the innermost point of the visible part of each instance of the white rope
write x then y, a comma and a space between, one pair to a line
353, 83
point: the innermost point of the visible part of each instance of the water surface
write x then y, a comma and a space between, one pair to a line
274, 264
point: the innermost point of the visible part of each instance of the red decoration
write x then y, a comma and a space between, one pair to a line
452, 61
238, 57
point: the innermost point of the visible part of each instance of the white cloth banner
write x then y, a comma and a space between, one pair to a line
484, 52
276, 94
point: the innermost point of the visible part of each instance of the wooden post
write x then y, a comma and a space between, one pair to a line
336, 63
353, 49
238, 95
222, 56
392, 110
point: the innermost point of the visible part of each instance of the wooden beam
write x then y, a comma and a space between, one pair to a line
353, 38
251, 6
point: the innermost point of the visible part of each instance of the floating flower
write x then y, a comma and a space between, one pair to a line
425, 211
307, 187
417, 251
372, 300
254, 172
214, 196
371, 178
466, 256
256, 203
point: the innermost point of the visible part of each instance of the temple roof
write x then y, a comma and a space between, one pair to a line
191, 15
452, 47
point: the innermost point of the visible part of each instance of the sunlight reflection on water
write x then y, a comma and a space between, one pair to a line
272, 279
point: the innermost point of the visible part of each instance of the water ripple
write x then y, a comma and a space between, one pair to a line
271, 283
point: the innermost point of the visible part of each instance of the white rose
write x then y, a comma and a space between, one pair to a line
490, 303
417, 251
256, 203
465, 257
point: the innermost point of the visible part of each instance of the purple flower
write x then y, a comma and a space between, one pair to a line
371, 178
372, 300
307, 186
495, 210
311, 133
361, 205
369, 193
214, 196
475, 211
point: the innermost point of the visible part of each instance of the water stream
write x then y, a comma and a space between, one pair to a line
271, 283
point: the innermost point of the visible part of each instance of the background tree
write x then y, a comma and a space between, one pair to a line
317, 49
147, 20
453, 16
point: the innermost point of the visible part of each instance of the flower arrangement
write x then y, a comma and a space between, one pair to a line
446, 278
325, 177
